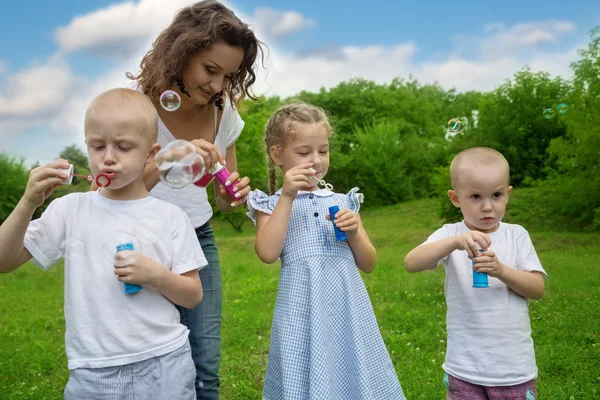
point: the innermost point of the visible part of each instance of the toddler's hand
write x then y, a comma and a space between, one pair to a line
347, 220
295, 179
143, 271
488, 262
472, 241
43, 180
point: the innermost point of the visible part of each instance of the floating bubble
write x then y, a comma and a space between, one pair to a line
548, 113
451, 95
456, 126
562, 108
170, 100
179, 165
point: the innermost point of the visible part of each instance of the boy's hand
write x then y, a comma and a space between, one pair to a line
143, 271
472, 241
43, 180
488, 262
240, 186
347, 220
297, 178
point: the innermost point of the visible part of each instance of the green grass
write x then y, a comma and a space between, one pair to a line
410, 309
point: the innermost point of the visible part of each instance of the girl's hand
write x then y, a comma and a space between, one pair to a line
241, 187
347, 220
488, 262
209, 152
472, 241
43, 180
297, 178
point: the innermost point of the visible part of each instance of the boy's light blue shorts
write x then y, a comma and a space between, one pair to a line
167, 377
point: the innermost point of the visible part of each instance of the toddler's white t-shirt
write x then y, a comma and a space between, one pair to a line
104, 326
489, 333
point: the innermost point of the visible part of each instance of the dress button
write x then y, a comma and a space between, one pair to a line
311, 196
316, 214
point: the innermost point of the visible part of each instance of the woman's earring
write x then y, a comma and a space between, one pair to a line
181, 86
218, 99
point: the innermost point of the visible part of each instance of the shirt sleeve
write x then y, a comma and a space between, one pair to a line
45, 237
355, 199
234, 125
187, 252
440, 234
258, 200
527, 258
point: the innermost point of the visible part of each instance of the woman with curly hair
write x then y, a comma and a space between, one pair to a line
207, 55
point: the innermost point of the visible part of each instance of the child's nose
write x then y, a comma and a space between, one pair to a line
109, 156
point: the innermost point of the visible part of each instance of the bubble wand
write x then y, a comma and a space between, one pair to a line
102, 179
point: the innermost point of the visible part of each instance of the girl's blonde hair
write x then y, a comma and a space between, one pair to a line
280, 126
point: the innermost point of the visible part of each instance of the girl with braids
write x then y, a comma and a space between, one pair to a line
325, 342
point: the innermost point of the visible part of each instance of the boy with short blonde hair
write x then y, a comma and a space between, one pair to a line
490, 352
118, 345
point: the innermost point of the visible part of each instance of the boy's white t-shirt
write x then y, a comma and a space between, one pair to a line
104, 326
489, 333
191, 198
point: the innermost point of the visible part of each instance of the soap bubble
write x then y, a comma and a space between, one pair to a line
179, 165
170, 100
451, 95
548, 113
456, 126
562, 108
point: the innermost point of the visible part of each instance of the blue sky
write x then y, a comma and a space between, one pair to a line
51, 66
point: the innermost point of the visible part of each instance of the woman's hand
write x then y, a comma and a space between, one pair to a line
209, 152
241, 187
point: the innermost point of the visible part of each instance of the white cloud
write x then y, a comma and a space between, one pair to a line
119, 29
277, 25
289, 74
38, 90
52, 98
520, 40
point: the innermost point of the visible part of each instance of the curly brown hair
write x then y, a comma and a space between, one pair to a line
193, 29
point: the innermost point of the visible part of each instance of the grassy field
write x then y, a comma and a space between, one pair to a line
410, 310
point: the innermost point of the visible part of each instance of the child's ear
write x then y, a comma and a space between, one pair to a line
510, 188
155, 149
275, 152
453, 198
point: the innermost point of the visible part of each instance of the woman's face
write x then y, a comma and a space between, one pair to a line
207, 71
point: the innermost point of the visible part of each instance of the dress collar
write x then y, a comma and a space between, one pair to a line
318, 192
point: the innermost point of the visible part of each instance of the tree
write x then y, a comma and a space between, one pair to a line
13, 181
574, 185
511, 121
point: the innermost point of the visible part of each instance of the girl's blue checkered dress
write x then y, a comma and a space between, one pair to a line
325, 342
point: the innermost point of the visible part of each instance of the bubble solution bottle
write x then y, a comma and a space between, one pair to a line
339, 234
128, 257
480, 279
